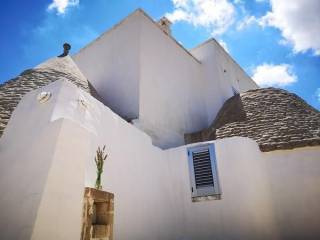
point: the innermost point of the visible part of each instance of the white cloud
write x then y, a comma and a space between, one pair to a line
178, 15
61, 5
267, 75
245, 22
180, 3
298, 21
215, 15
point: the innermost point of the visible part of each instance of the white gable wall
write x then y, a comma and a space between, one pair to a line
220, 73
111, 64
171, 88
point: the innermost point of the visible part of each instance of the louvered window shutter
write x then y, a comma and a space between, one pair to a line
203, 171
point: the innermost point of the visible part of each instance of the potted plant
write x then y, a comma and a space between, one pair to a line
99, 159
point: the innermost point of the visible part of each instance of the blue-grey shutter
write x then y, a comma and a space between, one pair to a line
203, 171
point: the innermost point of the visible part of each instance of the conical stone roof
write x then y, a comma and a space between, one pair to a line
54, 69
274, 118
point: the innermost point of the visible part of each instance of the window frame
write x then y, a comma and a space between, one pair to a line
214, 190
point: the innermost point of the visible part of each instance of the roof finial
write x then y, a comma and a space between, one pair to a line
66, 48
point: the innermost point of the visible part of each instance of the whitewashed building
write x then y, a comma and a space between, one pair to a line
195, 149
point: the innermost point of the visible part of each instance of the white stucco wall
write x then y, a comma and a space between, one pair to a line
220, 74
244, 211
171, 88
264, 195
44, 171
111, 64
59, 214
26, 151
294, 180
48, 202
143, 73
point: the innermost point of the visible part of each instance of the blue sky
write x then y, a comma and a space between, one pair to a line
277, 42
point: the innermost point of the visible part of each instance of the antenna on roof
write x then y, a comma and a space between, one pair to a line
66, 48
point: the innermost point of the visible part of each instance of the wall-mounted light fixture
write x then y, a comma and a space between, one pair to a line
43, 97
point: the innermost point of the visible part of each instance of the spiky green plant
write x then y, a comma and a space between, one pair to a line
99, 159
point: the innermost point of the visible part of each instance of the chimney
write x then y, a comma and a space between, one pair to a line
165, 24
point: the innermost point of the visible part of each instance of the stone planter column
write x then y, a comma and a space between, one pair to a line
97, 215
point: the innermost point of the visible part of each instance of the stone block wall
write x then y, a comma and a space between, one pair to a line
98, 209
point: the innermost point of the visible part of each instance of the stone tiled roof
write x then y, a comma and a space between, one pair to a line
274, 118
54, 69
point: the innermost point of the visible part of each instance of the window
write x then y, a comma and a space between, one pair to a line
203, 171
